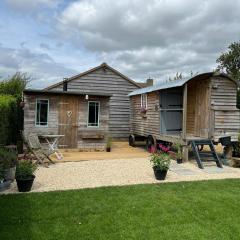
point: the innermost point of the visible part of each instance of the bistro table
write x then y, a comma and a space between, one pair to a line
52, 141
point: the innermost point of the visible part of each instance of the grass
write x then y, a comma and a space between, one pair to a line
189, 210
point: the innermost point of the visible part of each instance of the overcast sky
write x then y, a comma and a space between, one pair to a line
52, 39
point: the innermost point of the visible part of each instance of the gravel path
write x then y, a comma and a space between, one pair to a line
90, 174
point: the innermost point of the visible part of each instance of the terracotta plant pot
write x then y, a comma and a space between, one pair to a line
25, 185
179, 161
160, 174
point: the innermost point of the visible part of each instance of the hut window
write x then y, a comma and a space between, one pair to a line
42, 106
93, 114
144, 100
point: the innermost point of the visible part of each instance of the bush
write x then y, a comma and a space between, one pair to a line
8, 111
11, 121
25, 169
8, 158
109, 142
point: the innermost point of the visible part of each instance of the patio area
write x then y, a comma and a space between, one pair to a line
118, 172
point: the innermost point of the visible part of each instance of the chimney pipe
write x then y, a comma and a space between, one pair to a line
149, 82
65, 84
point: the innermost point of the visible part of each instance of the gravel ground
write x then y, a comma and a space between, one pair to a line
90, 174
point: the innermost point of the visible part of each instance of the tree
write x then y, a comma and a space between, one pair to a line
229, 62
178, 76
12, 88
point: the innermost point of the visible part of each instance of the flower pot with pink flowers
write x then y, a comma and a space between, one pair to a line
161, 162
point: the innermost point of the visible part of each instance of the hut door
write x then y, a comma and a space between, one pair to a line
68, 112
171, 111
202, 109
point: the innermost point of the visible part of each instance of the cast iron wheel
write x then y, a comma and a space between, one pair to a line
151, 143
131, 141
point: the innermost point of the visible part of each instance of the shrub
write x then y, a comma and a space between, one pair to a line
160, 160
12, 118
7, 158
25, 169
109, 142
179, 151
7, 110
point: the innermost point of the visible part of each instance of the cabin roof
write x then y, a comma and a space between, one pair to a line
177, 83
103, 65
48, 92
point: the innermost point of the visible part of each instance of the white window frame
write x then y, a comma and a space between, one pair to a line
98, 114
41, 99
142, 100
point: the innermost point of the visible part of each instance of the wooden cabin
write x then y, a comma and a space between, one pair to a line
86, 108
202, 107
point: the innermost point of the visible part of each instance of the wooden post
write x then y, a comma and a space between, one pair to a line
184, 119
185, 153
184, 125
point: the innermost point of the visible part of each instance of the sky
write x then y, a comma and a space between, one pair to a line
53, 39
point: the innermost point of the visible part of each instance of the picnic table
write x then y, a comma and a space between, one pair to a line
52, 141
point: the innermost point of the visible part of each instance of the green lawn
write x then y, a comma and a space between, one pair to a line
189, 210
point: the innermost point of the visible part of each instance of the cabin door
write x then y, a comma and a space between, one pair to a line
68, 118
171, 111
202, 109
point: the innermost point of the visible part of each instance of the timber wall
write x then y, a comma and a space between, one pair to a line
107, 82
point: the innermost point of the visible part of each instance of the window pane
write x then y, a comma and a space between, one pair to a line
42, 113
93, 108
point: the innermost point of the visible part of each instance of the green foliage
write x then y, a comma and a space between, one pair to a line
8, 111
25, 169
179, 150
7, 158
11, 121
160, 160
109, 142
229, 62
14, 85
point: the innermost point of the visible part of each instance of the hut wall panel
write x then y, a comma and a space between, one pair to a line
29, 115
223, 104
57, 115
109, 83
149, 124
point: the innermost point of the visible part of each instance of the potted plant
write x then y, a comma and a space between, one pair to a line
109, 144
160, 163
179, 153
25, 175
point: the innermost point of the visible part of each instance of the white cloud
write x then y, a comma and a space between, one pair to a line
154, 37
40, 66
28, 5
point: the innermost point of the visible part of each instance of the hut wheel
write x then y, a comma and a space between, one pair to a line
151, 144
131, 140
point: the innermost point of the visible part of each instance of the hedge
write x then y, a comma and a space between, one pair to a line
8, 119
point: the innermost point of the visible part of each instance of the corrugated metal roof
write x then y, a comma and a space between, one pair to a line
160, 86
179, 83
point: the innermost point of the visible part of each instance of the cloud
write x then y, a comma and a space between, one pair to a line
40, 66
31, 5
152, 37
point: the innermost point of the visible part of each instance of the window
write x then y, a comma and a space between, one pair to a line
93, 114
144, 100
42, 112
